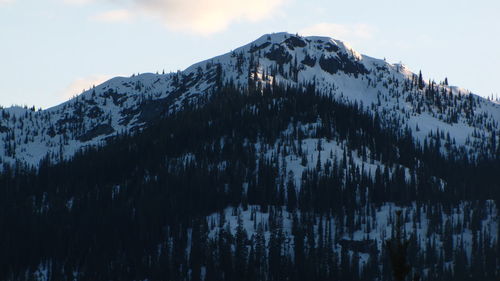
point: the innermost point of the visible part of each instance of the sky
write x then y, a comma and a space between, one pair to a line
51, 50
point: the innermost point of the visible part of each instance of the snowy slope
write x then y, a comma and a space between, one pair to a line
126, 104
376, 227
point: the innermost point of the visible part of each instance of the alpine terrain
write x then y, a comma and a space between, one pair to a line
290, 158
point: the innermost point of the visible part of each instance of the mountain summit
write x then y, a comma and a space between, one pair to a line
123, 105
290, 158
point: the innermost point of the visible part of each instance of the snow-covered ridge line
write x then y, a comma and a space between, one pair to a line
126, 104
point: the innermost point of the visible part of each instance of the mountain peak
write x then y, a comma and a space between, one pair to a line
127, 104
296, 40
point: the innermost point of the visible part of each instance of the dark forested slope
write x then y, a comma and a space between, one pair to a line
268, 183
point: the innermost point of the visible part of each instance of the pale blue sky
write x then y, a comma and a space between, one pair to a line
51, 49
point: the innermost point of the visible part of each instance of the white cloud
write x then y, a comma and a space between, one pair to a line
78, 2
347, 32
6, 1
114, 16
196, 16
207, 16
83, 83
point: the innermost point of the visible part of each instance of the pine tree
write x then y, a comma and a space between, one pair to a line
291, 193
241, 250
420, 81
397, 247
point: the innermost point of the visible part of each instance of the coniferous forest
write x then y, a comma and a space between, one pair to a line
213, 192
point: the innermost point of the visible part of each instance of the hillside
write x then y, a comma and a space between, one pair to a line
402, 99
285, 159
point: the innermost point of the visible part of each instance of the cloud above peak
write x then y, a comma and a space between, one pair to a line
196, 16
114, 16
207, 16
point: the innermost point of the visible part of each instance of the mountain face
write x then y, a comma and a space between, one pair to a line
290, 158
122, 105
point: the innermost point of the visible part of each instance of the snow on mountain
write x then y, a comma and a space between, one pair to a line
371, 235
402, 99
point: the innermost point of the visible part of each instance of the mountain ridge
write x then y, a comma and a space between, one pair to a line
122, 104
287, 159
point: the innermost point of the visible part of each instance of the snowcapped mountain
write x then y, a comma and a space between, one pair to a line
289, 158
465, 123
